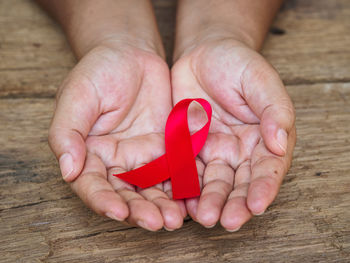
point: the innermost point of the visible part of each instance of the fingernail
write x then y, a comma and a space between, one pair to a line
168, 229
259, 214
211, 226
66, 165
233, 230
144, 225
282, 138
113, 216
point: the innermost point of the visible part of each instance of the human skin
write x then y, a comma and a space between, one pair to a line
252, 136
111, 109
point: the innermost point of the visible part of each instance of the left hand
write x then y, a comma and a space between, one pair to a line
252, 135
105, 123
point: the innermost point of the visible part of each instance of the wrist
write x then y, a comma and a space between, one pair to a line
212, 34
89, 23
246, 21
82, 44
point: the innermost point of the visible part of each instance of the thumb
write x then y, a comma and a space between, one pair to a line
269, 100
277, 121
76, 112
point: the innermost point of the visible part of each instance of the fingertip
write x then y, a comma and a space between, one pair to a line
192, 206
171, 212
71, 167
66, 166
118, 215
207, 218
151, 225
70, 150
275, 138
235, 214
209, 210
145, 214
257, 207
172, 221
109, 204
233, 230
120, 211
259, 197
277, 121
146, 225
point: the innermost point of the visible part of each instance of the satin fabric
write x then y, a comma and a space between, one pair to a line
178, 163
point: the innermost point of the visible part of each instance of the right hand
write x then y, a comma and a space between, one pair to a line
252, 135
110, 116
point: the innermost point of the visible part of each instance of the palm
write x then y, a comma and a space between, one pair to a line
234, 147
129, 97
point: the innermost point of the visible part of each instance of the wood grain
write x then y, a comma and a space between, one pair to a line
316, 44
41, 220
309, 221
35, 57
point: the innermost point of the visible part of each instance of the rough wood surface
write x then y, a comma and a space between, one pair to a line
41, 220
33, 47
315, 46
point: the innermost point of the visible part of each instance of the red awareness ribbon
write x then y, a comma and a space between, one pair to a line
178, 163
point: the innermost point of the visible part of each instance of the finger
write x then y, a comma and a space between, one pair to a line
192, 207
167, 188
236, 212
269, 100
142, 212
268, 171
170, 211
217, 185
75, 113
192, 203
96, 192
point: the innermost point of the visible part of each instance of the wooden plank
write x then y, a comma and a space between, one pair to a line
165, 12
34, 56
316, 44
30, 39
26, 163
36, 205
42, 221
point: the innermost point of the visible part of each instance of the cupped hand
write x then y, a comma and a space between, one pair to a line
252, 135
110, 116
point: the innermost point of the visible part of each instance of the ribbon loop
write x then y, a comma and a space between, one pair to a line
178, 163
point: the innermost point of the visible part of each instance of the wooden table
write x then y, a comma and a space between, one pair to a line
41, 220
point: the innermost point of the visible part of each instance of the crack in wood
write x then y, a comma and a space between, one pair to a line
103, 232
301, 82
36, 203
33, 68
28, 95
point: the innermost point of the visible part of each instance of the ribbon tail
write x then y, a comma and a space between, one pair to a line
148, 175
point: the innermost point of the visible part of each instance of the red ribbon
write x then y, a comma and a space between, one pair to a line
178, 163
